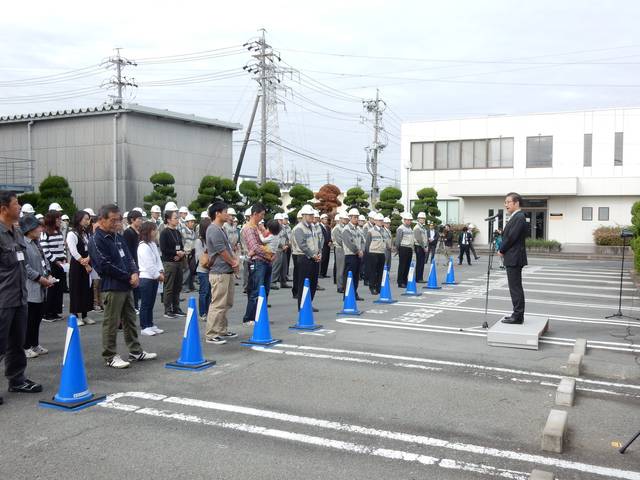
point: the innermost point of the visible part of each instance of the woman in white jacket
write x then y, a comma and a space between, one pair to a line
151, 274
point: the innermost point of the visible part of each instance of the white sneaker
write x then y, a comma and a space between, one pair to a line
40, 350
148, 331
157, 330
89, 321
80, 322
30, 353
139, 357
117, 362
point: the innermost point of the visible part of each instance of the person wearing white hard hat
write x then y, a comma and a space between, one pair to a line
375, 247
55, 207
432, 237
388, 238
419, 246
64, 224
404, 245
156, 212
188, 232
353, 245
326, 245
40, 218
280, 267
307, 251
338, 250
27, 209
232, 231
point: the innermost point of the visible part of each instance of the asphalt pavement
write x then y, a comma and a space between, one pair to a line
406, 390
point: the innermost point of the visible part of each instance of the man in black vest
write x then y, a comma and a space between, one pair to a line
515, 255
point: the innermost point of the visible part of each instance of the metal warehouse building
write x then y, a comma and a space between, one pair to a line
108, 153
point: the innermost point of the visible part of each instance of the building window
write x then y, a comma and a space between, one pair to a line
588, 149
587, 214
603, 214
457, 154
539, 152
449, 211
617, 149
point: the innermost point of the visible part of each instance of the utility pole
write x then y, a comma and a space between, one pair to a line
375, 107
263, 129
119, 81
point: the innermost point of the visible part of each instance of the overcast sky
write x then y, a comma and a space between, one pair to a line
429, 60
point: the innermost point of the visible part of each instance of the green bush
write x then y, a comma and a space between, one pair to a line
356, 197
635, 245
608, 236
55, 189
427, 202
551, 245
300, 195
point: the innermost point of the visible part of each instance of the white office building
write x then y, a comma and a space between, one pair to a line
576, 170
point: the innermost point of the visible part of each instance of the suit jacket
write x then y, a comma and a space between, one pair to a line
326, 236
435, 238
469, 238
513, 241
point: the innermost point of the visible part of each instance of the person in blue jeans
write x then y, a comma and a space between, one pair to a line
204, 286
151, 274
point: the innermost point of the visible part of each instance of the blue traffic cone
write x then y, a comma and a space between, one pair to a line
432, 284
74, 393
451, 276
385, 290
412, 289
191, 357
305, 315
350, 306
261, 330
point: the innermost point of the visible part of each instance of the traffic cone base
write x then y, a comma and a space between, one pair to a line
385, 301
350, 306
305, 315
261, 335
73, 393
411, 294
191, 358
73, 406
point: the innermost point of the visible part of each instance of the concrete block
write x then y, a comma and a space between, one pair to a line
580, 347
541, 475
554, 431
573, 364
565, 394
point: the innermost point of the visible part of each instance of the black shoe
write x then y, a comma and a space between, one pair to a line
179, 313
284, 285
402, 285
169, 315
324, 276
268, 305
26, 387
341, 290
359, 298
315, 310
421, 281
320, 288
1, 400
275, 287
512, 321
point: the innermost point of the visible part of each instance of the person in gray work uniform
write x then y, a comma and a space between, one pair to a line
338, 249
419, 245
388, 238
13, 296
353, 245
307, 249
404, 245
375, 246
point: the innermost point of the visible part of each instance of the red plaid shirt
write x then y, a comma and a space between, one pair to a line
255, 248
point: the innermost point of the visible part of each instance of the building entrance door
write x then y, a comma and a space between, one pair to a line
537, 220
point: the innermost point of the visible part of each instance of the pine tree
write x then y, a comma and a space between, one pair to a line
215, 188
300, 195
390, 206
428, 203
357, 198
163, 190
56, 189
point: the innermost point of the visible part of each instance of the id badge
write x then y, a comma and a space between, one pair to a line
20, 256
177, 248
121, 252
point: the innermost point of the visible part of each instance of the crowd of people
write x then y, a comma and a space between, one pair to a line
118, 262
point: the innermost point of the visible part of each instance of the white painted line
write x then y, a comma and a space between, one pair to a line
474, 366
586, 287
592, 271
578, 294
367, 431
538, 276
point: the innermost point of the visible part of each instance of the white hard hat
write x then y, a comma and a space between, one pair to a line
189, 217
338, 216
126, 214
204, 214
138, 209
378, 216
183, 209
353, 212
298, 215
361, 218
316, 214
55, 206
39, 216
277, 216
307, 210
407, 216
372, 215
386, 220
65, 217
156, 209
171, 207
231, 211
247, 212
422, 215
27, 208
324, 215
90, 211
471, 226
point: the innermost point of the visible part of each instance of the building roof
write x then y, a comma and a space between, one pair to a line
124, 108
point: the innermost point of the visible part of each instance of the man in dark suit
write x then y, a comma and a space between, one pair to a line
432, 242
326, 245
514, 254
464, 241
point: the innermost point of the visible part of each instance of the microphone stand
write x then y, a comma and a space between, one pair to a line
492, 251
619, 313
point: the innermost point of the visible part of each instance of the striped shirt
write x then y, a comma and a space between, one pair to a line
53, 246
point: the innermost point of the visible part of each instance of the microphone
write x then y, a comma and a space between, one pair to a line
493, 217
